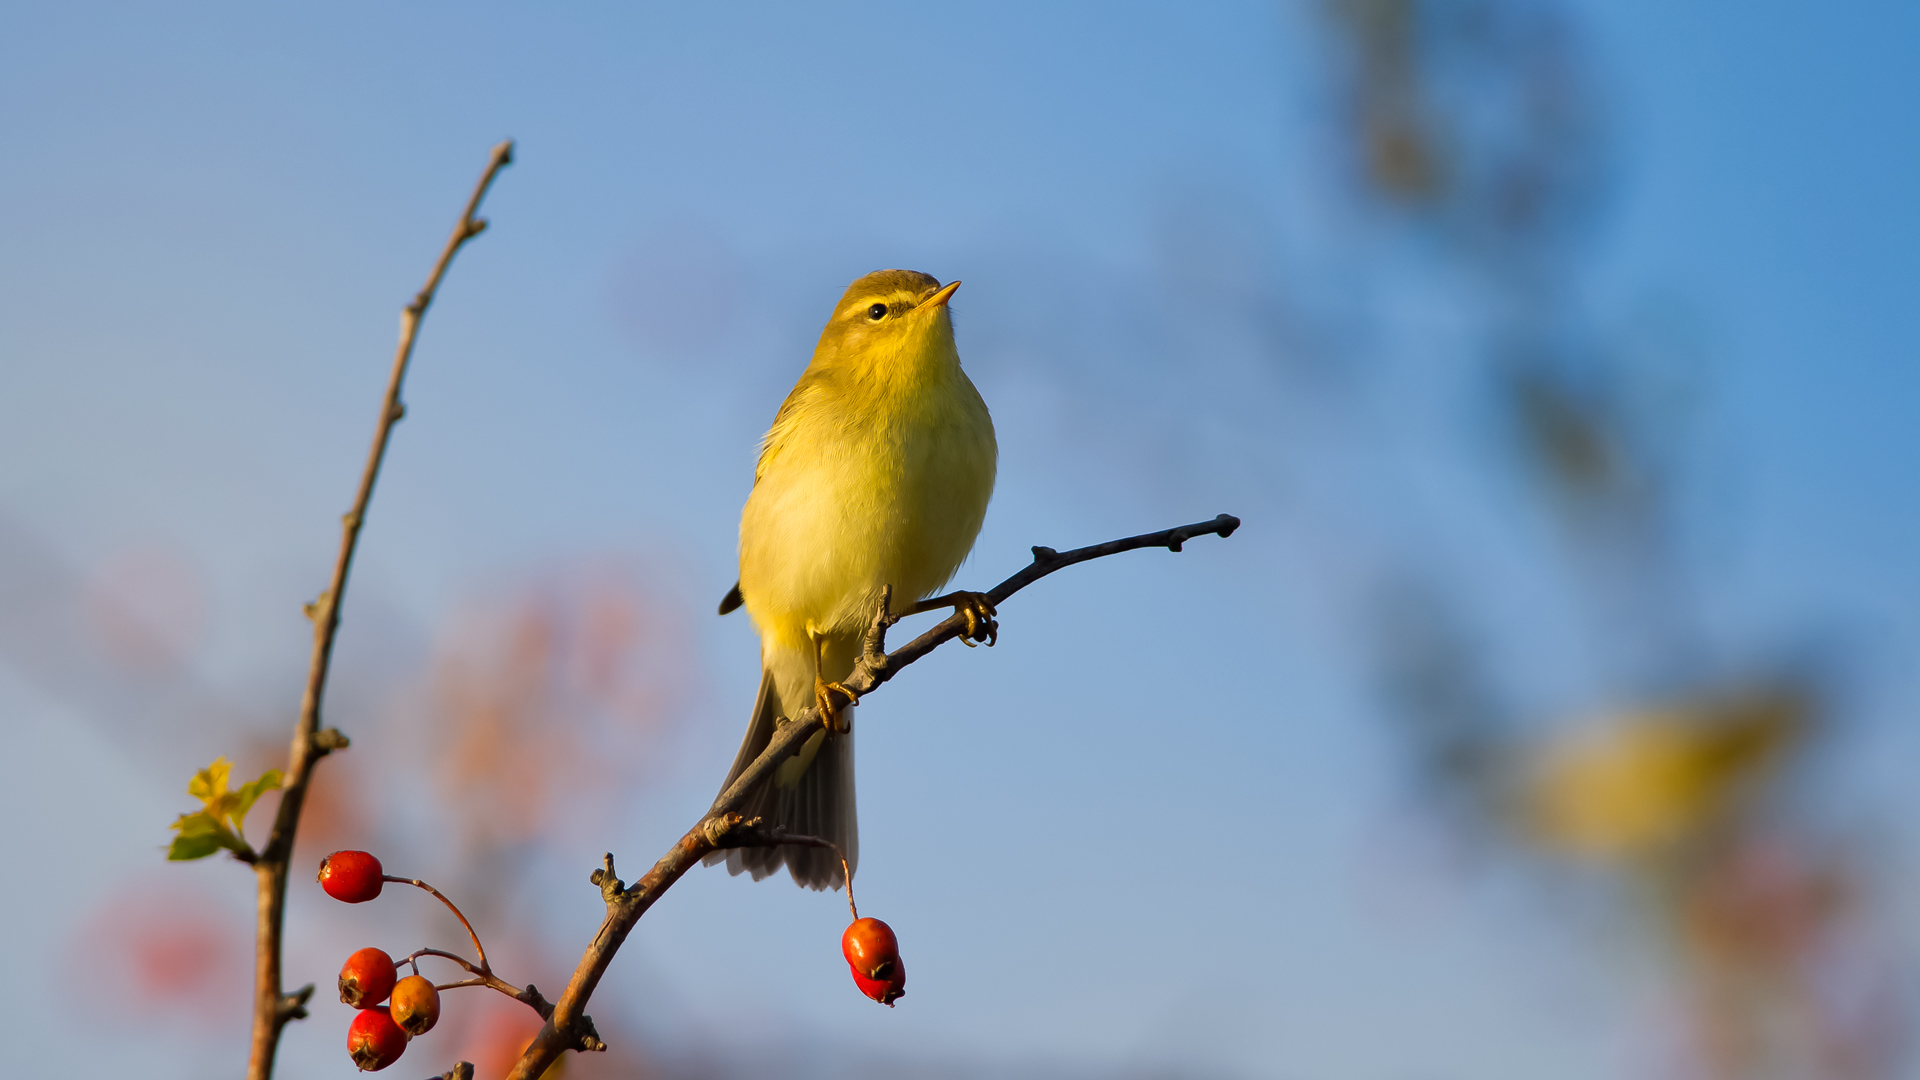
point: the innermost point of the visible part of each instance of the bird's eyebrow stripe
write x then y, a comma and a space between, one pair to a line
861, 305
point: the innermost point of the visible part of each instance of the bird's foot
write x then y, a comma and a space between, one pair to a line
976, 608
832, 712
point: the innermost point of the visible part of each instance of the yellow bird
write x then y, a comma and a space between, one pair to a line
876, 472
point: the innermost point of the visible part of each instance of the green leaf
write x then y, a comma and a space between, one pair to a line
200, 824
250, 793
201, 835
186, 848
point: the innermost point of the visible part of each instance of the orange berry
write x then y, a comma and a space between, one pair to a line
374, 1040
416, 1004
366, 978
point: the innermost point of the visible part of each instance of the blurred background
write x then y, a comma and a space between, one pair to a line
1550, 716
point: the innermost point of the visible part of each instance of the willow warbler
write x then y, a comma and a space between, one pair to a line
876, 472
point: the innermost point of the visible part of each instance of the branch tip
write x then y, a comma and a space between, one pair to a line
531, 996
610, 885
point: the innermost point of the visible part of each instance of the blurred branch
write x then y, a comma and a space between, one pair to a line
569, 1028
272, 1007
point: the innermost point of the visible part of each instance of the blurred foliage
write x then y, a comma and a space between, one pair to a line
1477, 125
1641, 784
1476, 116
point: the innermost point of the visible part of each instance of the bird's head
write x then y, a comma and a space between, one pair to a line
890, 317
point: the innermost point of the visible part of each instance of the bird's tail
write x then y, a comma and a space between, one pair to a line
818, 803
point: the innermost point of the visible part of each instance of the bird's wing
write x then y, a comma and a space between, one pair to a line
811, 387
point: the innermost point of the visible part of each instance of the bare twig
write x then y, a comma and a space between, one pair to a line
272, 1008
569, 1028
485, 968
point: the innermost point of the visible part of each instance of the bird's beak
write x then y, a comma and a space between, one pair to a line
940, 298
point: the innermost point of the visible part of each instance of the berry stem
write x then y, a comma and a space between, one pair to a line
781, 836
525, 995
485, 968
848, 870
414, 956
480, 977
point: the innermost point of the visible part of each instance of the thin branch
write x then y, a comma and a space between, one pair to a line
465, 964
569, 1028
485, 968
271, 1007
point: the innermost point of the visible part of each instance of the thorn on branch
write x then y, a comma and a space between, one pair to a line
531, 996
1044, 555
476, 227
397, 413
327, 740
610, 886
873, 651
720, 829
294, 1006
589, 1039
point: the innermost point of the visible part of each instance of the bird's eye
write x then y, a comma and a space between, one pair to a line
877, 312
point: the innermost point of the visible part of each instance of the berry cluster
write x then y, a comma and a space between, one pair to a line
392, 1009
395, 1009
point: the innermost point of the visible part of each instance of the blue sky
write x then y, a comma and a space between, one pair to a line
209, 220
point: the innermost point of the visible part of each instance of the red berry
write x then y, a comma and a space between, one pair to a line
416, 1004
366, 979
874, 955
868, 944
374, 1040
886, 990
353, 876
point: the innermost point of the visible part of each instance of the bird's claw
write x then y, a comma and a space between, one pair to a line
831, 712
979, 612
